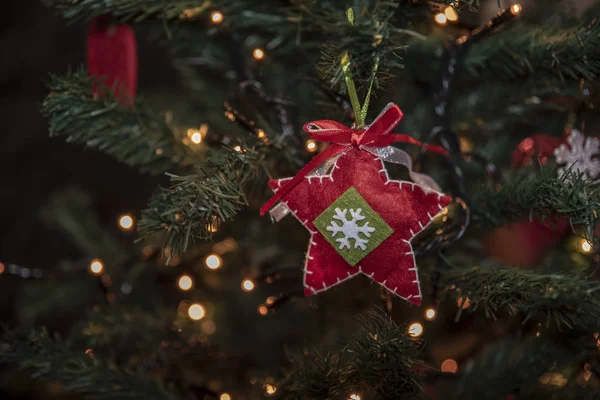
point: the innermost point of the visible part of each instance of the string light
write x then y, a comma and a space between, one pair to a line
225, 396
270, 389
450, 14
263, 310
415, 329
213, 261
258, 54
354, 396
126, 222
450, 366
185, 282
196, 137
260, 134
430, 314
441, 19
2, 268
516, 9
586, 246
238, 149
216, 17
96, 267
196, 312
311, 145
248, 285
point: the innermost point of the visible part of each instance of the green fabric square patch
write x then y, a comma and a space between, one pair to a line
352, 227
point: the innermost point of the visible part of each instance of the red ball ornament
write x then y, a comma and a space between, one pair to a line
112, 55
360, 220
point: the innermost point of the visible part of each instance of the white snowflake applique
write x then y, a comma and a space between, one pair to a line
580, 155
350, 228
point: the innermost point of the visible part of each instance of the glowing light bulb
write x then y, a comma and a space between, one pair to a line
216, 17
311, 145
196, 311
586, 247
126, 222
270, 389
430, 314
213, 261
185, 282
354, 396
238, 149
415, 329
450, 14
225, 396
441, 19
196, 137
516, 9
248, 285
450, 366
2, 268
96, 267
258, 54
260, 134
263, 310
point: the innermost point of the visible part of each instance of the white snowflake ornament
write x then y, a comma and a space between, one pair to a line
350, 229
580, 155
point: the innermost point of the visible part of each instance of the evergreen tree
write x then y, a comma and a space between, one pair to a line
197, 296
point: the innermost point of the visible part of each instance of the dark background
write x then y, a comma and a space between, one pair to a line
34, 43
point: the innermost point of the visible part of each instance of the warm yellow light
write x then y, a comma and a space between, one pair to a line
185, 282
213, 261
516, 9
311, 145
415, 329
196, 137
354, 396
450, 366
270, 389
441, 19
586, 246
96, 267
263, 310
126, 222
430, 314
451, 14
248, 285
238, 149
225, 396
216, 17
260, 133
2, 268
258, 54
196, 311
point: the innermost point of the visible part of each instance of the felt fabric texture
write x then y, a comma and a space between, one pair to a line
406, 208
352, 227
112, 54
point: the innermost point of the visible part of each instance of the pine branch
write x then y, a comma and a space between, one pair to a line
516, 366
539, 196
71, 212
128, 10
378, 359
49, 358
565, 300
132, 135
195, 204
524, 50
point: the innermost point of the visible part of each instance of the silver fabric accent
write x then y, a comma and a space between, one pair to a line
278, 212
395, 155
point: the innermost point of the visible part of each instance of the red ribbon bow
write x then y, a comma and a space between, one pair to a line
343, 139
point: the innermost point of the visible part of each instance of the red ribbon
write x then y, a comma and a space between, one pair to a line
343, 139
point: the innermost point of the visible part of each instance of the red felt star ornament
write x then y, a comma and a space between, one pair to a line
406, 208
